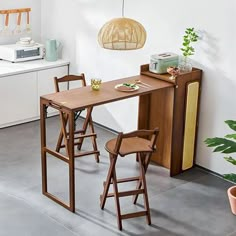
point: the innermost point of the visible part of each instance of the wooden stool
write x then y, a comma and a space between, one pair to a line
141, 142
81, 134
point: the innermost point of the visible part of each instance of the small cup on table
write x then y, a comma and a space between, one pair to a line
95, 84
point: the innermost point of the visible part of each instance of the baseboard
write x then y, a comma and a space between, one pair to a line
210, 171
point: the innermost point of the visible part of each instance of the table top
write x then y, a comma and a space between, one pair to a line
79, 98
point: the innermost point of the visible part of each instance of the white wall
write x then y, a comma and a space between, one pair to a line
35, 19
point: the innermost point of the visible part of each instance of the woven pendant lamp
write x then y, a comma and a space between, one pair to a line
122, 34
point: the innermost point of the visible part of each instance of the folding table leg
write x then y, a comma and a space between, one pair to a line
43, 145
71, 161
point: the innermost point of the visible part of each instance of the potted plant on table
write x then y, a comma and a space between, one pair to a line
227, 145
187, 49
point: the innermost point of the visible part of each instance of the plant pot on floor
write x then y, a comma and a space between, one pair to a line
232, 198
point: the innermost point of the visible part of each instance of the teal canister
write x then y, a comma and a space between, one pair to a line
52, 46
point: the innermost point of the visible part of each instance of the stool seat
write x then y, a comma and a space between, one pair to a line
129, 146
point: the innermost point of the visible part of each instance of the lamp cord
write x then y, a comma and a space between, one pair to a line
123, 8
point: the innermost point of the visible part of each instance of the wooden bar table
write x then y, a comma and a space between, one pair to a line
156, 109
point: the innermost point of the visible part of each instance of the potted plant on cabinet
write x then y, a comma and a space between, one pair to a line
187, 49
227, 145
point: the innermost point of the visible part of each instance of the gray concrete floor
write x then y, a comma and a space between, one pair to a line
193, 203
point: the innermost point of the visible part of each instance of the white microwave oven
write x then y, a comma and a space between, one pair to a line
19, 53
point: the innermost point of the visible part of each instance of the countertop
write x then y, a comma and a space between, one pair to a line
9, 68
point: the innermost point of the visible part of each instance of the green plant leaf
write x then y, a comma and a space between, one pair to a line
189, 37
233, 136
225, 145
220, 148
231, 124
231, 177
231, 160
222, 145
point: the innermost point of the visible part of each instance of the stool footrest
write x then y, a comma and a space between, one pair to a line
135, 214
81, 131
127, 193
86, 136
82, 136
86, 153
124, 180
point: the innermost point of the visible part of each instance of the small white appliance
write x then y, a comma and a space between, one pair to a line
160, 62
19, 53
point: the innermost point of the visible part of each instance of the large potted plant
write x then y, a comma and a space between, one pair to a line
227, 145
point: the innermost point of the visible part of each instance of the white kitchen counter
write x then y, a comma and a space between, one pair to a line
9, 68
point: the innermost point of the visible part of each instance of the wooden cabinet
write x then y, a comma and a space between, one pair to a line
175, 112
20, 93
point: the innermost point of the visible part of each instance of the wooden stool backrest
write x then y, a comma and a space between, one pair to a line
69, 78
151, 135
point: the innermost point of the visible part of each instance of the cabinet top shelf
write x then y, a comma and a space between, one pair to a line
144, 70
9, 68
